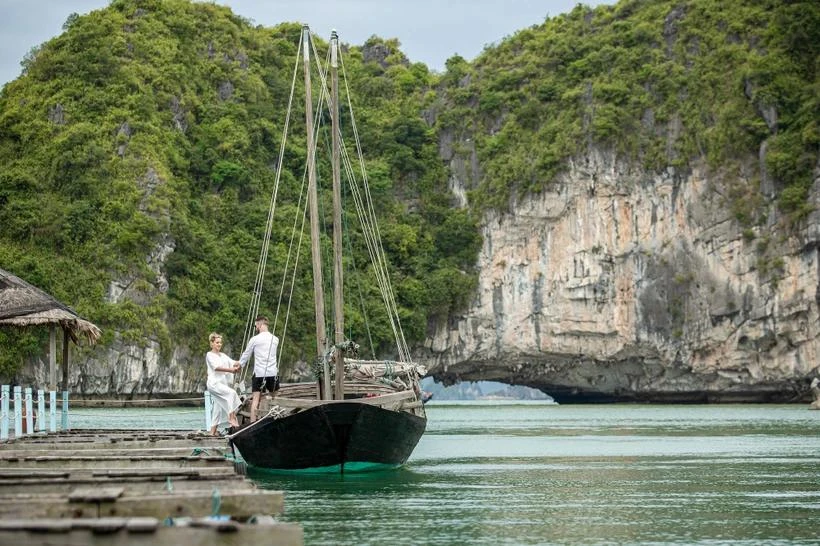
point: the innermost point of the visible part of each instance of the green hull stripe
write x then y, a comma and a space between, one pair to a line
350, 468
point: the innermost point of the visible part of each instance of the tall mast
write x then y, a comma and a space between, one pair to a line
318, 291
338, 297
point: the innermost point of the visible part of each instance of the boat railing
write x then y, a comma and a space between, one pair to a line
383, 400
354, 388
382, 368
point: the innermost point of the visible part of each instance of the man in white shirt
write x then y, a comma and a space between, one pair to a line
265, 369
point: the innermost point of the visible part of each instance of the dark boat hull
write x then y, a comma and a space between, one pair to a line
338, 436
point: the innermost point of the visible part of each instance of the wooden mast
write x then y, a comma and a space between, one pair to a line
338, 297
318, 291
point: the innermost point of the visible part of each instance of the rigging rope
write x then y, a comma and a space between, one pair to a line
364, 205
302, 206
361, 302
367, 215
379, 257
263, 257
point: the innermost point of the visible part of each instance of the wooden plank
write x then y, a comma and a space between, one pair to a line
101, 526
22, 496
102, 494
92, 444
75, 435
163, 472
104, 458
49, 507
17, 473
280, 534
126, 431
32, 471
106, 451
132, 471
134, 486
240, 504
308, 390
141, 525
150, 478
61, 492
52, 462
382, 400
36, 525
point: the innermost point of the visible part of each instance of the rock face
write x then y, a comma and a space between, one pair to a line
124, 370
615, 284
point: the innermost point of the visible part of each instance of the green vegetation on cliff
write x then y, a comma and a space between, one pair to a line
149, 131
661, 83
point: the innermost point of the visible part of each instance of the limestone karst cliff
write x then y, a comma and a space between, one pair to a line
618, 284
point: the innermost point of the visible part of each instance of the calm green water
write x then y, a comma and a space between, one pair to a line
531, 473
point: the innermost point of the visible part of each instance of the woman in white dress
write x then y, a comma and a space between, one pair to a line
224, 397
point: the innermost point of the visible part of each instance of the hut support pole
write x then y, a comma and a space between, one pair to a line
52, 358
65, 380
66, 339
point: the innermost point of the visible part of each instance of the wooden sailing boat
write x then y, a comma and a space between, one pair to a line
373, 416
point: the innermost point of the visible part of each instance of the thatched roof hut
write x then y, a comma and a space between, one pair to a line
22, 305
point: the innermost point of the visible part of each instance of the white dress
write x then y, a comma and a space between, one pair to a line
224, 398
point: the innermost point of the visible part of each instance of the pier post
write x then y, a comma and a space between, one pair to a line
29, 412
208, 406
65, 411
18, 412
52, 411
4, 416
41, 410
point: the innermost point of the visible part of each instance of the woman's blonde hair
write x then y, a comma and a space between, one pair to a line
214, 336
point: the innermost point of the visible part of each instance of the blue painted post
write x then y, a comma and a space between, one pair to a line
52, 411
65, 411
208, 406
41, 410
4, 416
29, 412
18, 413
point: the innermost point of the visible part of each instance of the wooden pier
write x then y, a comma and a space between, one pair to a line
130, 487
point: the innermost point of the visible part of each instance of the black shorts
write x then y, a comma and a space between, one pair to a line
271, 383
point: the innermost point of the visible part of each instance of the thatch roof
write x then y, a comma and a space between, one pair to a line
22, 304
